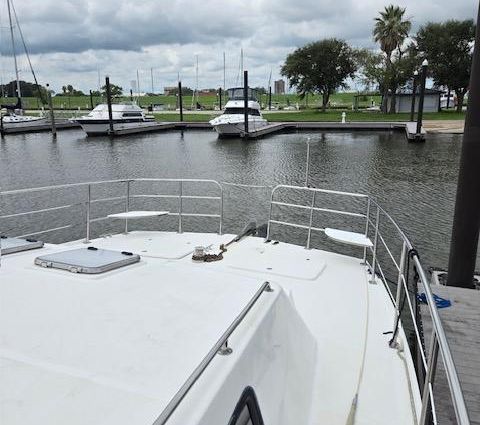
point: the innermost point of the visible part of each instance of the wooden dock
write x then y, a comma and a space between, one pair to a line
461, 322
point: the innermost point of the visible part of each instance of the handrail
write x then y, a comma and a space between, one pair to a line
220, 347
439, 341
127, 197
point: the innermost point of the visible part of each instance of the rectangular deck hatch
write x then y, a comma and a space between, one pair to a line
12, 245
87, 260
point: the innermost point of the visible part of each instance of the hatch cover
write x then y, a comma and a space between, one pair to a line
89, 260
12, 245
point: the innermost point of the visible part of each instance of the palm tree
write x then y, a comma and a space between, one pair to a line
391, 30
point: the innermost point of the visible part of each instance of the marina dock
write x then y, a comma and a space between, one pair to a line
270, 129
461, 322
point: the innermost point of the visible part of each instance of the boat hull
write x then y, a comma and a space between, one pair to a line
237, 128
8, 124
102, 127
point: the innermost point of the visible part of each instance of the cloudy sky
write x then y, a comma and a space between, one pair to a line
75, 41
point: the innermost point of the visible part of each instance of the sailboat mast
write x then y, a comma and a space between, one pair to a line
19, 93
224, 73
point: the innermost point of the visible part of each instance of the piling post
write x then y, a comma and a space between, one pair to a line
270, 98
52, 115
131, 95
414, 93
421, 99
245, 102
466, 221
180, 100
220, 98
91, 100
1, 124
109, 105
448, 98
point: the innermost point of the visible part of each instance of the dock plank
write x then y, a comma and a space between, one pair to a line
461, 323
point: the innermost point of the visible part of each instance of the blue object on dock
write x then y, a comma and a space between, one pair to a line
439, 301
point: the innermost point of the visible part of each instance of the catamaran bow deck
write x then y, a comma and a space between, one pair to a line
172, 340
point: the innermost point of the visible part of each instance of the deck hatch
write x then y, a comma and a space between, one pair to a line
87, 260
12, 245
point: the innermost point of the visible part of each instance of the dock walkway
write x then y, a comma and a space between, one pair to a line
461, 322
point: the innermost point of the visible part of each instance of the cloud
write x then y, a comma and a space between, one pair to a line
71, 41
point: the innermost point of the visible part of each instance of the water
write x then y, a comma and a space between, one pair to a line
416, 183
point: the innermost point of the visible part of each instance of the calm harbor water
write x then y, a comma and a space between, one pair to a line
415, 183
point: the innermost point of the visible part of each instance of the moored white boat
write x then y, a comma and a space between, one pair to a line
124, 116
15, 121
232, 120
162, 327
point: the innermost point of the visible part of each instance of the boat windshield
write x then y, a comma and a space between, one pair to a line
240, 111
237, 94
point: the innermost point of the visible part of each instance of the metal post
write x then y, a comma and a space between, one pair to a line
180, 102
311, 220
180, 207
466, 221
270, 215
414, 93
399, 285
91, 100
422, 98
109, 104
127, 204
307, 168
245, 102
366, 230
52, 115
270, 98
87, 221
221, 212
375, 240
428, 384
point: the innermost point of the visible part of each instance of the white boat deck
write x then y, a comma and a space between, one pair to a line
114, 348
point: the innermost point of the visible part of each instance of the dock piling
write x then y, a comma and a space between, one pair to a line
52, 115
414, 93
91, 100
269, 98
180, 100
220, 98
466, 220
245, 103
109, 104
421, 99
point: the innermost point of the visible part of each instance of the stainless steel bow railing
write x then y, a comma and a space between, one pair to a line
438, 341
127, 197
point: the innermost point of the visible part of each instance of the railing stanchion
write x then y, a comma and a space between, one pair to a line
220, 230
270, 214
366, 230
401, 272
180, 207
429, 378
127, 205
87, 221
375, 240
311, 221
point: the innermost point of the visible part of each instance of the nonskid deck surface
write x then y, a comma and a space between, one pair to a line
114, 348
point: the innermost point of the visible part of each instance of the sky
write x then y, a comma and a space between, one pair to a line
76, 41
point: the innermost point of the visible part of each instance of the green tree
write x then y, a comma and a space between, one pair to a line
448, 46
390, 31
320, 67
114, 90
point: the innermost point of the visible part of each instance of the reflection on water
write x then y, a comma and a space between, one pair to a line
416, 183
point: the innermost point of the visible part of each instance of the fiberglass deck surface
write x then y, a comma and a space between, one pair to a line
114, 348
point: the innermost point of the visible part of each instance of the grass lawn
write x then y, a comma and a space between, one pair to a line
313, 115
